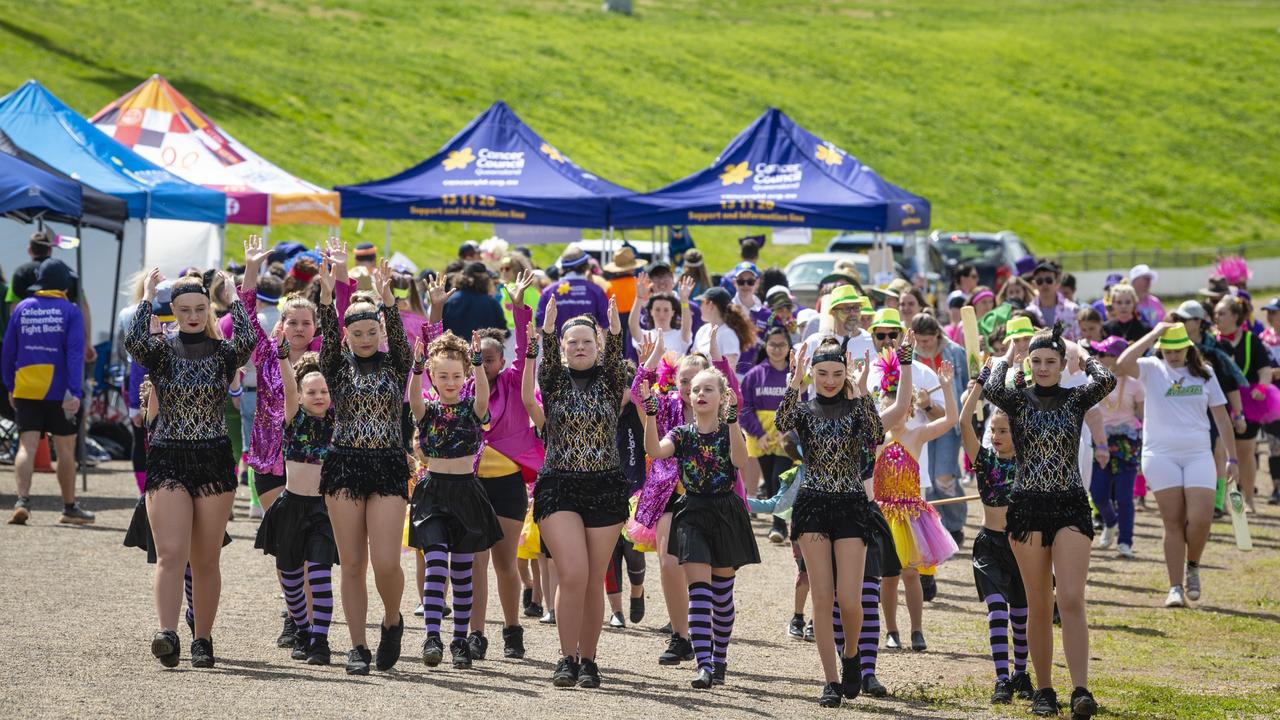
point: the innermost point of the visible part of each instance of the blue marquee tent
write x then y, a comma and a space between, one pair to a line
776, 173
39, 122
28, 190
496, 170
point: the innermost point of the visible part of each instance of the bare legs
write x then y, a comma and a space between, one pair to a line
368, 531
186, 530
1067, 560
1187, 514
582, 556
825, 585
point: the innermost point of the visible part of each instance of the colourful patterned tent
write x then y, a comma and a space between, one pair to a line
158, 123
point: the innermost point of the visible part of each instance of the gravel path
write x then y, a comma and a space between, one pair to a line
79, 618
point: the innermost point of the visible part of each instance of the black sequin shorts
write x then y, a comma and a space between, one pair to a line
599, 497
201, 468
1033, 511
360, 473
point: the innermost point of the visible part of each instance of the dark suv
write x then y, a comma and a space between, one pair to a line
993, 254
913, 256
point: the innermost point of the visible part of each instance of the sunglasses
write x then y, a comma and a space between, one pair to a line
886, 336
746, 281
1044, 280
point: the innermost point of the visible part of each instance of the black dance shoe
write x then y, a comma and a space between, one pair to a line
166, 648
566, 673
917, 641
478, 644
460, 650
432, 651
358, 660
389, 645
872, 686
1045, 703
850, 677
1003, 693
717, 672
637, 609
703, 680
678, 650
588, 674
202, 653
289, 634
319, 653
830, 697
1021, 683
1082, 703
513, 642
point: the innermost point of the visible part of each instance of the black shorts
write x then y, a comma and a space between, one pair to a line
507, 495
266, 482
43, 416
1047, 512
995, 570
599, 497
1250, 430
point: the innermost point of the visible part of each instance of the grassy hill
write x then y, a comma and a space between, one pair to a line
1077, 124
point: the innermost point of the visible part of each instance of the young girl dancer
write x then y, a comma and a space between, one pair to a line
711, 533
191, 474
296, 527
918, 535
995, 571
450, 516
762, 390
511, 449
1182, 393
1049, 521
832, 517
580, 501
365, 475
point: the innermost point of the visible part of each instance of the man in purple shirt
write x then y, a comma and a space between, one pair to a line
575, 294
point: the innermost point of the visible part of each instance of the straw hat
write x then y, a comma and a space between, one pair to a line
624, 261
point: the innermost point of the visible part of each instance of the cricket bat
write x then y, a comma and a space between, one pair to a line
972, 344
1235, 503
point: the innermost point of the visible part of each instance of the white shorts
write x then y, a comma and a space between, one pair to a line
1164, 471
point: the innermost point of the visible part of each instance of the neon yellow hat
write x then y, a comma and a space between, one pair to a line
1018, 327
867, 307
1175, 338
887, 317
843, 295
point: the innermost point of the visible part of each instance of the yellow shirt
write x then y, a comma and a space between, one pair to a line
494, 464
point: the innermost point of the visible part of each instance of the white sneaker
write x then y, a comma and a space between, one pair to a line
255, 512
1125, 550
420, 611
1105, 540
1175, 598
1193, 583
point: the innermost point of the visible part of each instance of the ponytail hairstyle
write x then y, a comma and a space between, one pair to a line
189, 284
1049, 339
296, 302
307, 364
451, 347
402, 283
736, 318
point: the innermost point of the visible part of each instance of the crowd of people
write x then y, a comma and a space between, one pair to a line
560, 424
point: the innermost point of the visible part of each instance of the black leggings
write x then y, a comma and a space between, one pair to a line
624, 551
139, 451
771, 466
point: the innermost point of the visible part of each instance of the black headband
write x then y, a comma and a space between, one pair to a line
832, 356
357, 317
1050, 342
584, 321
186, 290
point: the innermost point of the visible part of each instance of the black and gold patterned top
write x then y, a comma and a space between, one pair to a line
582, 422
835, 436
368, 393
191, 373
1046, 425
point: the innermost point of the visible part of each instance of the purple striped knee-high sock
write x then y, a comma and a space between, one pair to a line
186, 588
869, 635
1018, 627
700, 623
295, 597
437, 561
723, 614
998, 632
320, 580
460, 578
837, 627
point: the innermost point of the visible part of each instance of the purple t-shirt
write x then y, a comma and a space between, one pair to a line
575, 296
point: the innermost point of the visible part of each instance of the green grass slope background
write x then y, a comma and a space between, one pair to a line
1077, 124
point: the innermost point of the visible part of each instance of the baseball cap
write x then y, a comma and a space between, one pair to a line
957, 299
1189, 309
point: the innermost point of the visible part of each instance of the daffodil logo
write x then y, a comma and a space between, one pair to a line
908, 209
735, 174
458, 159
563, 289
552, 153
829, 154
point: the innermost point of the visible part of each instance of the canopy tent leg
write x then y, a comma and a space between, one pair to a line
86, 396
386, 249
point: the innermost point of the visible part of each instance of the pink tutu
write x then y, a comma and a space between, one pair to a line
917, 532
1264, 411
932, 540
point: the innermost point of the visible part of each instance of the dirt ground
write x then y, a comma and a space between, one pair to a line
78, 620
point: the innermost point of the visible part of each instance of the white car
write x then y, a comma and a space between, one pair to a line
806, 272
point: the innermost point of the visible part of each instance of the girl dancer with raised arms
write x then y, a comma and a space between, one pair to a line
1049, 521
995, 570
1181, 395
580, 501
450, 516
365, 476
191, 474
711, 532
296, 527
832, 517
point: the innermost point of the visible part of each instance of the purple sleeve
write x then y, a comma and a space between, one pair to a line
643, 376
601, 306
75, 351
748, 418
137, 374
9, 360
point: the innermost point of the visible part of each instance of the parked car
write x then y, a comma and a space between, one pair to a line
805, 272
993, 254
914, 258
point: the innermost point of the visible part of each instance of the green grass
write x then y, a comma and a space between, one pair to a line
1077, 124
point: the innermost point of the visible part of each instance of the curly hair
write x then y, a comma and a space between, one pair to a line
494, 335
667, 298
307, 364
294, 302
450, 347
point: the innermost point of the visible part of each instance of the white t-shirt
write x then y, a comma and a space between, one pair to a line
1084, 456
859, 345
726, 338
672, 340
1176, 410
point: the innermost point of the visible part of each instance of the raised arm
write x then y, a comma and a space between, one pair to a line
972, 399
686, 316
1100, 384
481, 402
901, 406
941, 426
642, 296
243, 337
290, 382
1127, 365
737, 442
417, 403
147, 349
551, 369
398, 351
528, 394
521, 315
656, 449
789, 416
331, 359
995, 390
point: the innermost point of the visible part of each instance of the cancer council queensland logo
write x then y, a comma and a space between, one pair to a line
735, 173
458, 159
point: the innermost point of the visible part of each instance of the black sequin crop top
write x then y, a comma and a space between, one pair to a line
451, 431
368, 394
835, 437
190, 378
582, 423
307, 438
1046, 424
